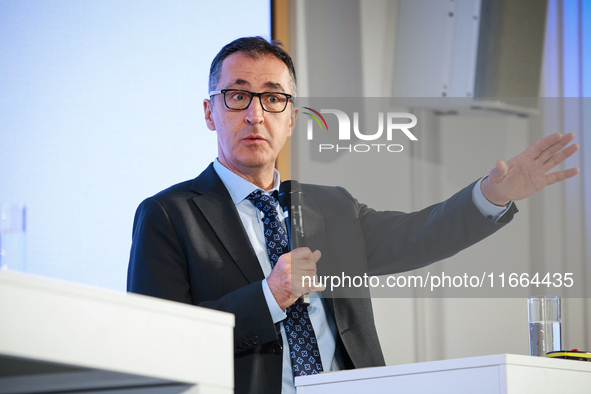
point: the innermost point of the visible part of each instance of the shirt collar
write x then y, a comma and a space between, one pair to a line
238, 187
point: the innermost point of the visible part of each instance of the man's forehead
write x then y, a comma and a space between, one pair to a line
266, 71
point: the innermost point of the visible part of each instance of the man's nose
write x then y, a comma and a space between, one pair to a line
254, 112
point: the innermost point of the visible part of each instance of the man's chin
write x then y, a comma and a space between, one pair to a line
258, 162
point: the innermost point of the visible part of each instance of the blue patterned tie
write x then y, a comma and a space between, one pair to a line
305, 357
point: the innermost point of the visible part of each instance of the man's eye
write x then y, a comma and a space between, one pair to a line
238, 96
274, 98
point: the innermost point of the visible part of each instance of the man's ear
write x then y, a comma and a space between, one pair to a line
294, 114
208, 109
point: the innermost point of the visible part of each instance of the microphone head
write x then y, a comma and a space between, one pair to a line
289, 190
290, 187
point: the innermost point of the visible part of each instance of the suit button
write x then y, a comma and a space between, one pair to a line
255, 340
277, 349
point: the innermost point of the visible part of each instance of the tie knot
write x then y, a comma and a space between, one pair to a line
263, 202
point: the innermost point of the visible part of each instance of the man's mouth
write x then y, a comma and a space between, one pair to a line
254, 138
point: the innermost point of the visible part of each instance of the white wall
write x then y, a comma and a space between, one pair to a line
101, 107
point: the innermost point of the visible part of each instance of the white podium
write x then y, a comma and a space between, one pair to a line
497, 374
62, 337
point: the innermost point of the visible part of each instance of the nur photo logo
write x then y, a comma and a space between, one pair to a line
390, 125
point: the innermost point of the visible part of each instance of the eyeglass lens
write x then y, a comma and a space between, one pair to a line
272, 102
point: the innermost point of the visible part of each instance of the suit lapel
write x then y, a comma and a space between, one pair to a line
215, 203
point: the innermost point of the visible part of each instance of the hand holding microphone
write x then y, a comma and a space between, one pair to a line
291, 201
285, 280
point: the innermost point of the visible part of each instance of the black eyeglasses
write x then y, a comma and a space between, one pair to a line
239, 100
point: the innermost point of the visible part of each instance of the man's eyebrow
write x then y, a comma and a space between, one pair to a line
275, 86
240, 82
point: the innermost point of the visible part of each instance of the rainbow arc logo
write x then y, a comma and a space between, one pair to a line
315, 116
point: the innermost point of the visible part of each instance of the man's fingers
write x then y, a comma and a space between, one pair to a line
559, 176
549, 152
316, 255
305, 255
317, 284
560, 156
539, 147
314, 285
301, 253
303, 271
308, 284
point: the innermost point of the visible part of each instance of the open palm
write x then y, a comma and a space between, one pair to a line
527, 173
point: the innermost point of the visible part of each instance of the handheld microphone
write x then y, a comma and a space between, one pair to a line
291, 201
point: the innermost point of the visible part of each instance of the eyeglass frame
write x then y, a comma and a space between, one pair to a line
252, 95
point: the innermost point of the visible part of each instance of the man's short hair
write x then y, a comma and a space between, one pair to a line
255, 47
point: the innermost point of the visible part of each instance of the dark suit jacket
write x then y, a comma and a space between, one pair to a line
189, 245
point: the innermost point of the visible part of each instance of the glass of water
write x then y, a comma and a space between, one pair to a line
12, 236
544, 325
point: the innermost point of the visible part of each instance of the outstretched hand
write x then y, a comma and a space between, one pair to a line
527, 173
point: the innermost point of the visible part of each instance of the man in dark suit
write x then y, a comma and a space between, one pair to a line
202, 242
